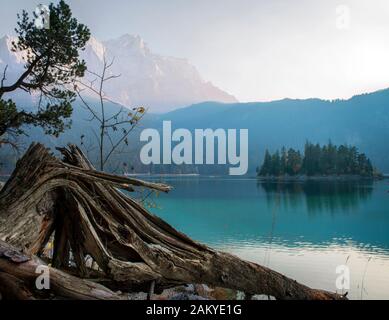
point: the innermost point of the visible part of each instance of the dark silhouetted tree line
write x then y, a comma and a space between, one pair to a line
317, 160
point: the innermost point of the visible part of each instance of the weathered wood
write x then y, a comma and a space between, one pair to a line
13, 288
132, 247
19, 273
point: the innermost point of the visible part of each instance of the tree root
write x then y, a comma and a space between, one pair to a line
89, 216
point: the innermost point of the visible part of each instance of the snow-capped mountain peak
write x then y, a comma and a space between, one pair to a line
128, 45
7, 56
96, 47
157, 82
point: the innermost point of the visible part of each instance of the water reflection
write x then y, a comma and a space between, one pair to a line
302, 229
319, 196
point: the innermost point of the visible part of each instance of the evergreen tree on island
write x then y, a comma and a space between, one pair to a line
317, 161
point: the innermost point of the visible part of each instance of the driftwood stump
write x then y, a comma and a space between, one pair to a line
88, 216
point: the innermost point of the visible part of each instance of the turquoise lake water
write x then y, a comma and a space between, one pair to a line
304, 230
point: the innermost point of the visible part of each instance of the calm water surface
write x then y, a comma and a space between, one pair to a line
304, 230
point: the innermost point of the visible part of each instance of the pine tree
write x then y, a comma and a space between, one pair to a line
308, 161
317, 160
332, 151
275, 164
294, 162
52, 64
283, 161
266, 166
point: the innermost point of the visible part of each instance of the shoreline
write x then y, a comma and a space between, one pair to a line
303, 178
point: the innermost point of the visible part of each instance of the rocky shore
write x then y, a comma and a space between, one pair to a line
196, 292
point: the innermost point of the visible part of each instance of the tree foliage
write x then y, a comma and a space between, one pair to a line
317, 160
52, 64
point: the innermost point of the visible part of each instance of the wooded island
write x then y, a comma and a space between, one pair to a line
317, 160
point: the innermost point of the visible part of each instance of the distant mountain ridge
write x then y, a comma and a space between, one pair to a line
157, 82
362, 121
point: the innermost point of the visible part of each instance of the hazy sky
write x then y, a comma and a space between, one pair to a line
256, 50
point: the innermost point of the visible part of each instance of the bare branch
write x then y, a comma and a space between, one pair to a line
112, 77
121, 119
4, 76
87, 106
20, 83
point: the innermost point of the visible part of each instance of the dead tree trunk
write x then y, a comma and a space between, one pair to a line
19, 274
88, 215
